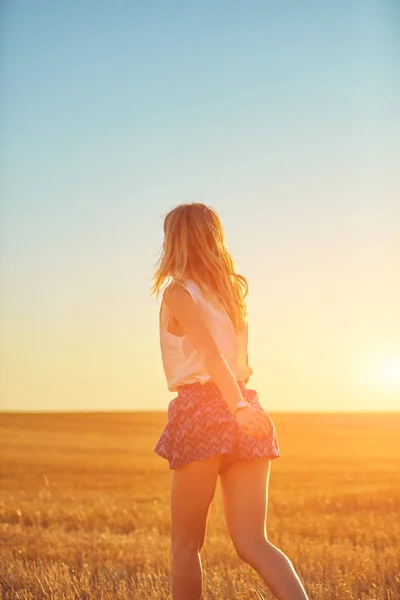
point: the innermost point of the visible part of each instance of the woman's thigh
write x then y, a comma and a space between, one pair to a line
192, 491
245, 499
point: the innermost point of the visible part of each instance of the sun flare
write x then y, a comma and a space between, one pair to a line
387, 371
383, 372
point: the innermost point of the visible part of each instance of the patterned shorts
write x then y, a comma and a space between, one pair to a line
200, 425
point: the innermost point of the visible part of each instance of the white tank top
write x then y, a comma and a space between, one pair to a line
182, 362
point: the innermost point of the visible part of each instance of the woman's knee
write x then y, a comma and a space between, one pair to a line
187, 544
249, 549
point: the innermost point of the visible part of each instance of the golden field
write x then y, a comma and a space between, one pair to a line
84, 509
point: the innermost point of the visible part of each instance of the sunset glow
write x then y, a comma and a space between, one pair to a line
385, 372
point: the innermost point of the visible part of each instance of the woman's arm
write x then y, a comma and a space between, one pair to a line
247, 362
184, 309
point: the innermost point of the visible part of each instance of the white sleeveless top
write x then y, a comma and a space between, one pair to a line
182, 362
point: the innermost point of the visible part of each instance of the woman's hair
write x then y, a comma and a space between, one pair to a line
194, 248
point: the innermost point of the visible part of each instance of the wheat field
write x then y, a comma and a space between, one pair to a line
84, 510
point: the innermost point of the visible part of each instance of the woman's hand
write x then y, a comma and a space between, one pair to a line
254, 422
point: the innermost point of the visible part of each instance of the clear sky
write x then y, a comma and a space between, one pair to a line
283, 116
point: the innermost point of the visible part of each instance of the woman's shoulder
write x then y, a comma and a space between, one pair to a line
178, 284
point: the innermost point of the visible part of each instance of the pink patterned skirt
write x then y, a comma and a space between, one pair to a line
200, 425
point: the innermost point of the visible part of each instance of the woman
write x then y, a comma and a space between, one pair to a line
216, 425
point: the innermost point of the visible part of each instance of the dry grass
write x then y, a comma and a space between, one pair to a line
84, 509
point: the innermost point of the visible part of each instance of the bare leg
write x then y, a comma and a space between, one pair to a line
192, 491
245, 497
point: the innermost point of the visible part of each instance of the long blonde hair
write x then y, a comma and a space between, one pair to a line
195, 248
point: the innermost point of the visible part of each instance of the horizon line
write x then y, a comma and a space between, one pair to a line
162, 411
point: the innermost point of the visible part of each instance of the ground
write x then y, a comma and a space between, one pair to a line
84, 509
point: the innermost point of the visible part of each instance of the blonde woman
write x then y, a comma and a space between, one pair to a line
216, 425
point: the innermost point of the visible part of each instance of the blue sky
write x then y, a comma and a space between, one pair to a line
282, 116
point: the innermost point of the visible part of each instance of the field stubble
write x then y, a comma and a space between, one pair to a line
84, 510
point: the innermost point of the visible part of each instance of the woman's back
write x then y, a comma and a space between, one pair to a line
181, 361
